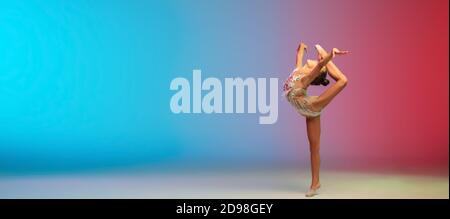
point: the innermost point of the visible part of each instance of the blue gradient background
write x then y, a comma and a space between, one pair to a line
85, 84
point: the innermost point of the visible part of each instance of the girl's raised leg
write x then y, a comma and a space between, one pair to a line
341, 81
327, 96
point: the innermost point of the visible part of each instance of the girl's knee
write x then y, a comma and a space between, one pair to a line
342, 82
314, 148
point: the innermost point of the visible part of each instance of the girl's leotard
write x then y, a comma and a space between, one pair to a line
298, 97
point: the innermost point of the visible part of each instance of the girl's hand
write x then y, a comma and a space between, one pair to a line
302, 46
336, 51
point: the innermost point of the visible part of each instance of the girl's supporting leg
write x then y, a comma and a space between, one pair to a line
313, 130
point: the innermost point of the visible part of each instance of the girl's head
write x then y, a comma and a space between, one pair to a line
321, 78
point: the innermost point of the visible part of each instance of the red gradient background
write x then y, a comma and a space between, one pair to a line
394, 111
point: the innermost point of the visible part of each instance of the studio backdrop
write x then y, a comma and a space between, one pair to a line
86, 85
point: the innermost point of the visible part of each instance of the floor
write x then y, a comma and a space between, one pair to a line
283, 184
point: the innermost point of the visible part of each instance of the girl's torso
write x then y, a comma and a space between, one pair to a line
297, 96
293, 78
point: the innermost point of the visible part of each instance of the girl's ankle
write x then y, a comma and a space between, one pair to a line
315, 186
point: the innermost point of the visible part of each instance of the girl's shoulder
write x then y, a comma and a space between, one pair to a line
297, 74
294, 76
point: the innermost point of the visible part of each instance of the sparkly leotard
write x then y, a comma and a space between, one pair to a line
298, 97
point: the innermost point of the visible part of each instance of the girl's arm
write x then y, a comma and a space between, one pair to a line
307, 79
300, 54
334, 71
